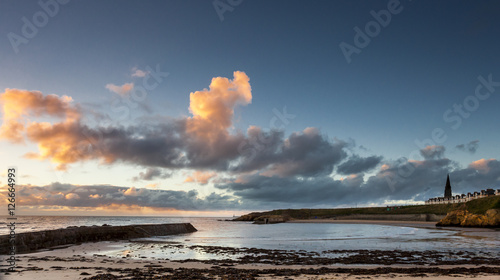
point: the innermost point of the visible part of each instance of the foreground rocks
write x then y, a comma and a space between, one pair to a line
102, 267
241, 256
32, 241
216, 272
464, 218
264, 264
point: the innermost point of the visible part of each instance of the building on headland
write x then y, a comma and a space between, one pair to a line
447, 188
459, 198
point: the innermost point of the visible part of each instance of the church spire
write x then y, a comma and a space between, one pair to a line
447, 188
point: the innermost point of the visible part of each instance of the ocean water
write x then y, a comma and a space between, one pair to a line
286, 236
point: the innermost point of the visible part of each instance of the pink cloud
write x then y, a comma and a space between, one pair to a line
121, 90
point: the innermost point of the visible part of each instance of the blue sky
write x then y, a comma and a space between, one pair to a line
393, 92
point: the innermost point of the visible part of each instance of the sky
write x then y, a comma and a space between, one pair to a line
216, 108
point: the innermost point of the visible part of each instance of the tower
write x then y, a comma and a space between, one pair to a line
447, 188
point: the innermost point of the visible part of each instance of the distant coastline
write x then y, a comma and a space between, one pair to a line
481, 212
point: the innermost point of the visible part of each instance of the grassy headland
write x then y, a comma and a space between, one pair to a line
477, 206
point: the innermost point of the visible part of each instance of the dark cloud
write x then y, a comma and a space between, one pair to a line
470, 147
57, 194
357, 164
409, 179
306, 153
479, 175
290, 190
151, 174
398, 180
387, 184
433, 152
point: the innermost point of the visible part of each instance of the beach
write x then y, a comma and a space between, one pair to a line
68, 264
181, 257
479, 232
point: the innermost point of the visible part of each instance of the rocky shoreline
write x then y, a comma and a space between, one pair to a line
32, 241
463, 218
261, 264
253, 274
339, 257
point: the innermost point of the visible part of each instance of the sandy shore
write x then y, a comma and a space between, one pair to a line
419, 224
86, 262
471, 232
59, 265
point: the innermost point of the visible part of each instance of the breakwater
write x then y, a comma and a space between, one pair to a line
32, 241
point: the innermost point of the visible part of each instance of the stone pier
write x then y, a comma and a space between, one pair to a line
27, 242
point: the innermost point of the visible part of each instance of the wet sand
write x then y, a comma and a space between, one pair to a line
85, 262
50, 266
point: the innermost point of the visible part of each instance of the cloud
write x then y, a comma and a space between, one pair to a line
395, 181
357, 164
57, 194
479, 175
200, 177
200, 140
259, 166
432, 152
213, 109
305, 153
483, 165
470, 147
71, 196
151, 173
139, 73
133, 192
121, 90
21, 105
67, 142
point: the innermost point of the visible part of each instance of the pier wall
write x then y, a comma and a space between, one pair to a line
32, 241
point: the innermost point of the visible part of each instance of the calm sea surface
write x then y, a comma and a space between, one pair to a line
288, 236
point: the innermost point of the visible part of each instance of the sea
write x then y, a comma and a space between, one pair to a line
312, 237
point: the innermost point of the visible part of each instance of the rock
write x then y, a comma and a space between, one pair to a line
454, 218
248, 217
464, 218
493, 216
271, 219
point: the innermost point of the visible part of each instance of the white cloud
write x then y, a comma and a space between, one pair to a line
139, 73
